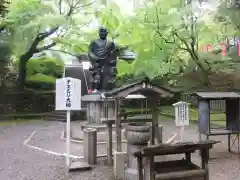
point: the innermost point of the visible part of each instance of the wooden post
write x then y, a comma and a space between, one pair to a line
140, 168
147, 170
203, 117
154, 121
109, 150
118, 125
205, 156
188, 156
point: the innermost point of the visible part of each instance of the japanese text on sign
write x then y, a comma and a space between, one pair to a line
68, 94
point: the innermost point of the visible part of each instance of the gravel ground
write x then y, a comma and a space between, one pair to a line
18, 162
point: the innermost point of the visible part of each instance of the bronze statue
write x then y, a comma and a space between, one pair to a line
103, 57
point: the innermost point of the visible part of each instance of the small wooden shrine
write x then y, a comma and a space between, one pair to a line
153, 94
232, 128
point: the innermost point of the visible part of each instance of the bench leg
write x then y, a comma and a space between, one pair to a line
188, 157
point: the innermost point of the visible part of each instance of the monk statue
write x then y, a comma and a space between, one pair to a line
103, 57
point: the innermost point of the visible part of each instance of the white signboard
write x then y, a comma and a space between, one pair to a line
68, 97
68, 94
181, 116
181, 113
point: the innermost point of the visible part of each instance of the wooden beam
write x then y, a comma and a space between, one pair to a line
109, 151
154, 121
118, 125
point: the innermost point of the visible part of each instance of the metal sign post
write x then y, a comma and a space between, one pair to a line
68, 129
68, 97
181, 116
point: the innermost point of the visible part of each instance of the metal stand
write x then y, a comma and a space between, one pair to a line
233, 142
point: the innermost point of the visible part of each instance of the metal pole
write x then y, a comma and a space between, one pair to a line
68, 139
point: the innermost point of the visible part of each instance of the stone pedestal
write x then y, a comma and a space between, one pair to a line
98, 108
90, 145
137, 135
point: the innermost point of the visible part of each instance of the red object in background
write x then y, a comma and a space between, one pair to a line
90, 91
206, 48
224, 49
209, 48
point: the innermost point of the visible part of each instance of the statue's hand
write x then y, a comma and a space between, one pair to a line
93, 58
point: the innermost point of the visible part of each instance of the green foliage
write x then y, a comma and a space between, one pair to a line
42, 72
31, 18
166, 36
45, 65
42, 78
164, 33
24, 20
3, 7
5, 55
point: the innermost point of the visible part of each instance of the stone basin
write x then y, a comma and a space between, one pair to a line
137, 133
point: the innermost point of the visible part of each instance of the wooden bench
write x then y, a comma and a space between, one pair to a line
183, 169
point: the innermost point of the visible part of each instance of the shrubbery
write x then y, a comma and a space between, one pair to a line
42, 72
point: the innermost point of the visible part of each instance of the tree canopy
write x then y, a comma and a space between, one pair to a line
167, 35
35, 26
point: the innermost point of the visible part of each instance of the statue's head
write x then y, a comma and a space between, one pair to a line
103, 32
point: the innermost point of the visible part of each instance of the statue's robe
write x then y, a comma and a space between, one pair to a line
102, 53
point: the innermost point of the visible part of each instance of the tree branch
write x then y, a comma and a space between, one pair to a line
63, 52
46, 34
60, 6
89, 4
159, 47
158, 28
45, 47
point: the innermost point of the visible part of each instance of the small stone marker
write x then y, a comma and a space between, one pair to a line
119, 165
181, 116
90, 145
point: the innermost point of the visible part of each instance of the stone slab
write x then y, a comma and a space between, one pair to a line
131, 174
91, 97
94, 97
80, 166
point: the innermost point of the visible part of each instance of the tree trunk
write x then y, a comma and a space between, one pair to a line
206, 81
23, 70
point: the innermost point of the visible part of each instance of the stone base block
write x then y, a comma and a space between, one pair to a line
131, 174
119, 165
80, 166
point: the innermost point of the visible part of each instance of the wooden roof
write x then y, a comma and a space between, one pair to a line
217, 95
143, 87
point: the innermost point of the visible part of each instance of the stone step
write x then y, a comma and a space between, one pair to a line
61, 116
55, 119
57, 115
